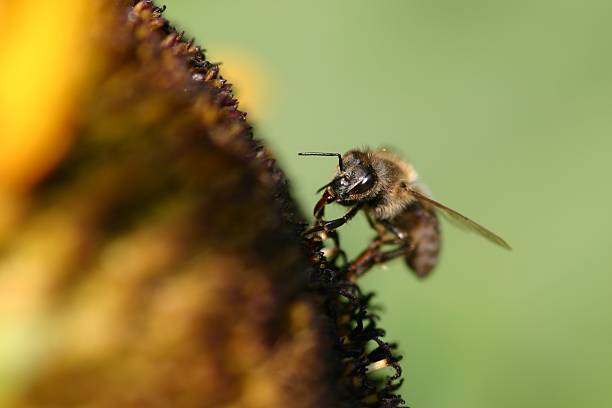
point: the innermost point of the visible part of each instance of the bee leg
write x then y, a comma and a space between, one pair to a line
319, 208
392, 241
372, 256
328, 226
370, 220
376, 226
363, 262
383, 257
401, 235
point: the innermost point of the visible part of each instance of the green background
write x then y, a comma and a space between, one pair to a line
505, 110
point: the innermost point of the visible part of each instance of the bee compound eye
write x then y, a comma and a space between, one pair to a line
364, 185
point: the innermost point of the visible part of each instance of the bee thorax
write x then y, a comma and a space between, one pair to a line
386, 209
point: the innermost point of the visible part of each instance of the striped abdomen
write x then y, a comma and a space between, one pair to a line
421, 224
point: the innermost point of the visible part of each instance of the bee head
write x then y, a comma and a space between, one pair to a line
355, 180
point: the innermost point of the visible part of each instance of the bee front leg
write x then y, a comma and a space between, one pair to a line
319, 212
319, 208
328, 226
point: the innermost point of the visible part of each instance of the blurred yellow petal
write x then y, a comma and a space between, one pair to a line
42, 60
250, 81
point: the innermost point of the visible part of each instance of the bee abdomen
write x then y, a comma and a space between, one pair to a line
424, 249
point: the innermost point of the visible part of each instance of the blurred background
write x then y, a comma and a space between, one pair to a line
505, 109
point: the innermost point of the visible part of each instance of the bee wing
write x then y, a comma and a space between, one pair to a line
462, 220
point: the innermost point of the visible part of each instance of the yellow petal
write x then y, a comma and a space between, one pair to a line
42, 62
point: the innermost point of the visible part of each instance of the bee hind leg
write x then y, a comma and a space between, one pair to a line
371, 256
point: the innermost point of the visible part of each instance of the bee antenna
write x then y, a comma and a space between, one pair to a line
338, 155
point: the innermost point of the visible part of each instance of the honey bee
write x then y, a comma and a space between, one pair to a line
396, 206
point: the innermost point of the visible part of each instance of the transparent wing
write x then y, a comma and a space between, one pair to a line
462, 220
